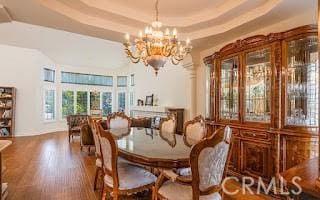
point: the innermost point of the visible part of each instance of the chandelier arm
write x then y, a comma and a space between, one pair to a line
130, 54
168, 52
174, 61
134, 60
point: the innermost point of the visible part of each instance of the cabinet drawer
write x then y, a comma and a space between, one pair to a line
255, 135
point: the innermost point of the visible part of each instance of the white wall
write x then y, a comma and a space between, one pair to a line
170, 86
296, 21
20, 68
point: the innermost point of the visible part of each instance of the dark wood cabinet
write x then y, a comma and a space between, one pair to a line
265, 88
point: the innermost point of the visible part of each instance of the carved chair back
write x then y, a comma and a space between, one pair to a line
194, 131
167, 130
119, 120
75, 120
209, 162
92, 124
109, 154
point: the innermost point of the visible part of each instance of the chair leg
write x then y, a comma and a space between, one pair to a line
103, 193
96, 178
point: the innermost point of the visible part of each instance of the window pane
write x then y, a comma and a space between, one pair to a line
131, 99
86, 79
122, 81
94, 100
302, 82
229, 81
121, 102
258, 86
48, 75
106, 103
67, 103
82, 103
49, 105
132, 79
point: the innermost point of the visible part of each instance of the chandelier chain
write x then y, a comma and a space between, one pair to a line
157, 10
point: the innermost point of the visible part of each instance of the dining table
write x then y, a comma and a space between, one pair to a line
149, 147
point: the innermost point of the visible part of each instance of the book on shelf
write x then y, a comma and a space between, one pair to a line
8, 103
4, 132
6, 114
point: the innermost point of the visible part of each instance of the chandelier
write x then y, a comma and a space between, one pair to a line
154, 47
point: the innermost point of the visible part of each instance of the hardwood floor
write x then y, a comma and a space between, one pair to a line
48, 167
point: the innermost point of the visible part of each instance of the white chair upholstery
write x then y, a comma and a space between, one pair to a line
118, 122
195, 132
211, 156
98, 162
175, 191
106, 153
131, 177
184, 171
168, 126
211, 165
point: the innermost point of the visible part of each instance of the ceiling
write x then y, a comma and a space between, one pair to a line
64, 47
204, 21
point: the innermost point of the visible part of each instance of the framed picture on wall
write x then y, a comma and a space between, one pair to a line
149, 100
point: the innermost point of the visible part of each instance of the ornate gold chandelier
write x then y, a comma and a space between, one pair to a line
156, 46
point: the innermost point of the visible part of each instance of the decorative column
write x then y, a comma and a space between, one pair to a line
192, 84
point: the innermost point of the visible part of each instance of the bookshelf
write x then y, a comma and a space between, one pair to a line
7, 111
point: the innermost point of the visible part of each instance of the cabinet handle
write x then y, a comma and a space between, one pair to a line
254, 134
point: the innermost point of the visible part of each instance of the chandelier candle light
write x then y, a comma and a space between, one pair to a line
156, 46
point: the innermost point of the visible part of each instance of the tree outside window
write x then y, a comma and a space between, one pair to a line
49, 105
106, 103
121, 102
82, 102
67, 103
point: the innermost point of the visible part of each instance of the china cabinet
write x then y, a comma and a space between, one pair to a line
266, 88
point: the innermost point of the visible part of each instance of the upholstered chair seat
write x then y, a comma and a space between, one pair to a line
184, 171
175, 191
131, 177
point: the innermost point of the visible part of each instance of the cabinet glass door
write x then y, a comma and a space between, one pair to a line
229, 89
258, 86
302, 82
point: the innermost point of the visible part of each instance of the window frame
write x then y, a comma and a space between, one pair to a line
119, 85
46, 88
89, 76
45, 69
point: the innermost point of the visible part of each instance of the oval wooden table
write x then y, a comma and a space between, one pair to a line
147, 147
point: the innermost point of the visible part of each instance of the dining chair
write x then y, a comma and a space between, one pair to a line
167, 130
209, 162
118, 120
120, 178
194, 131
92, 124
